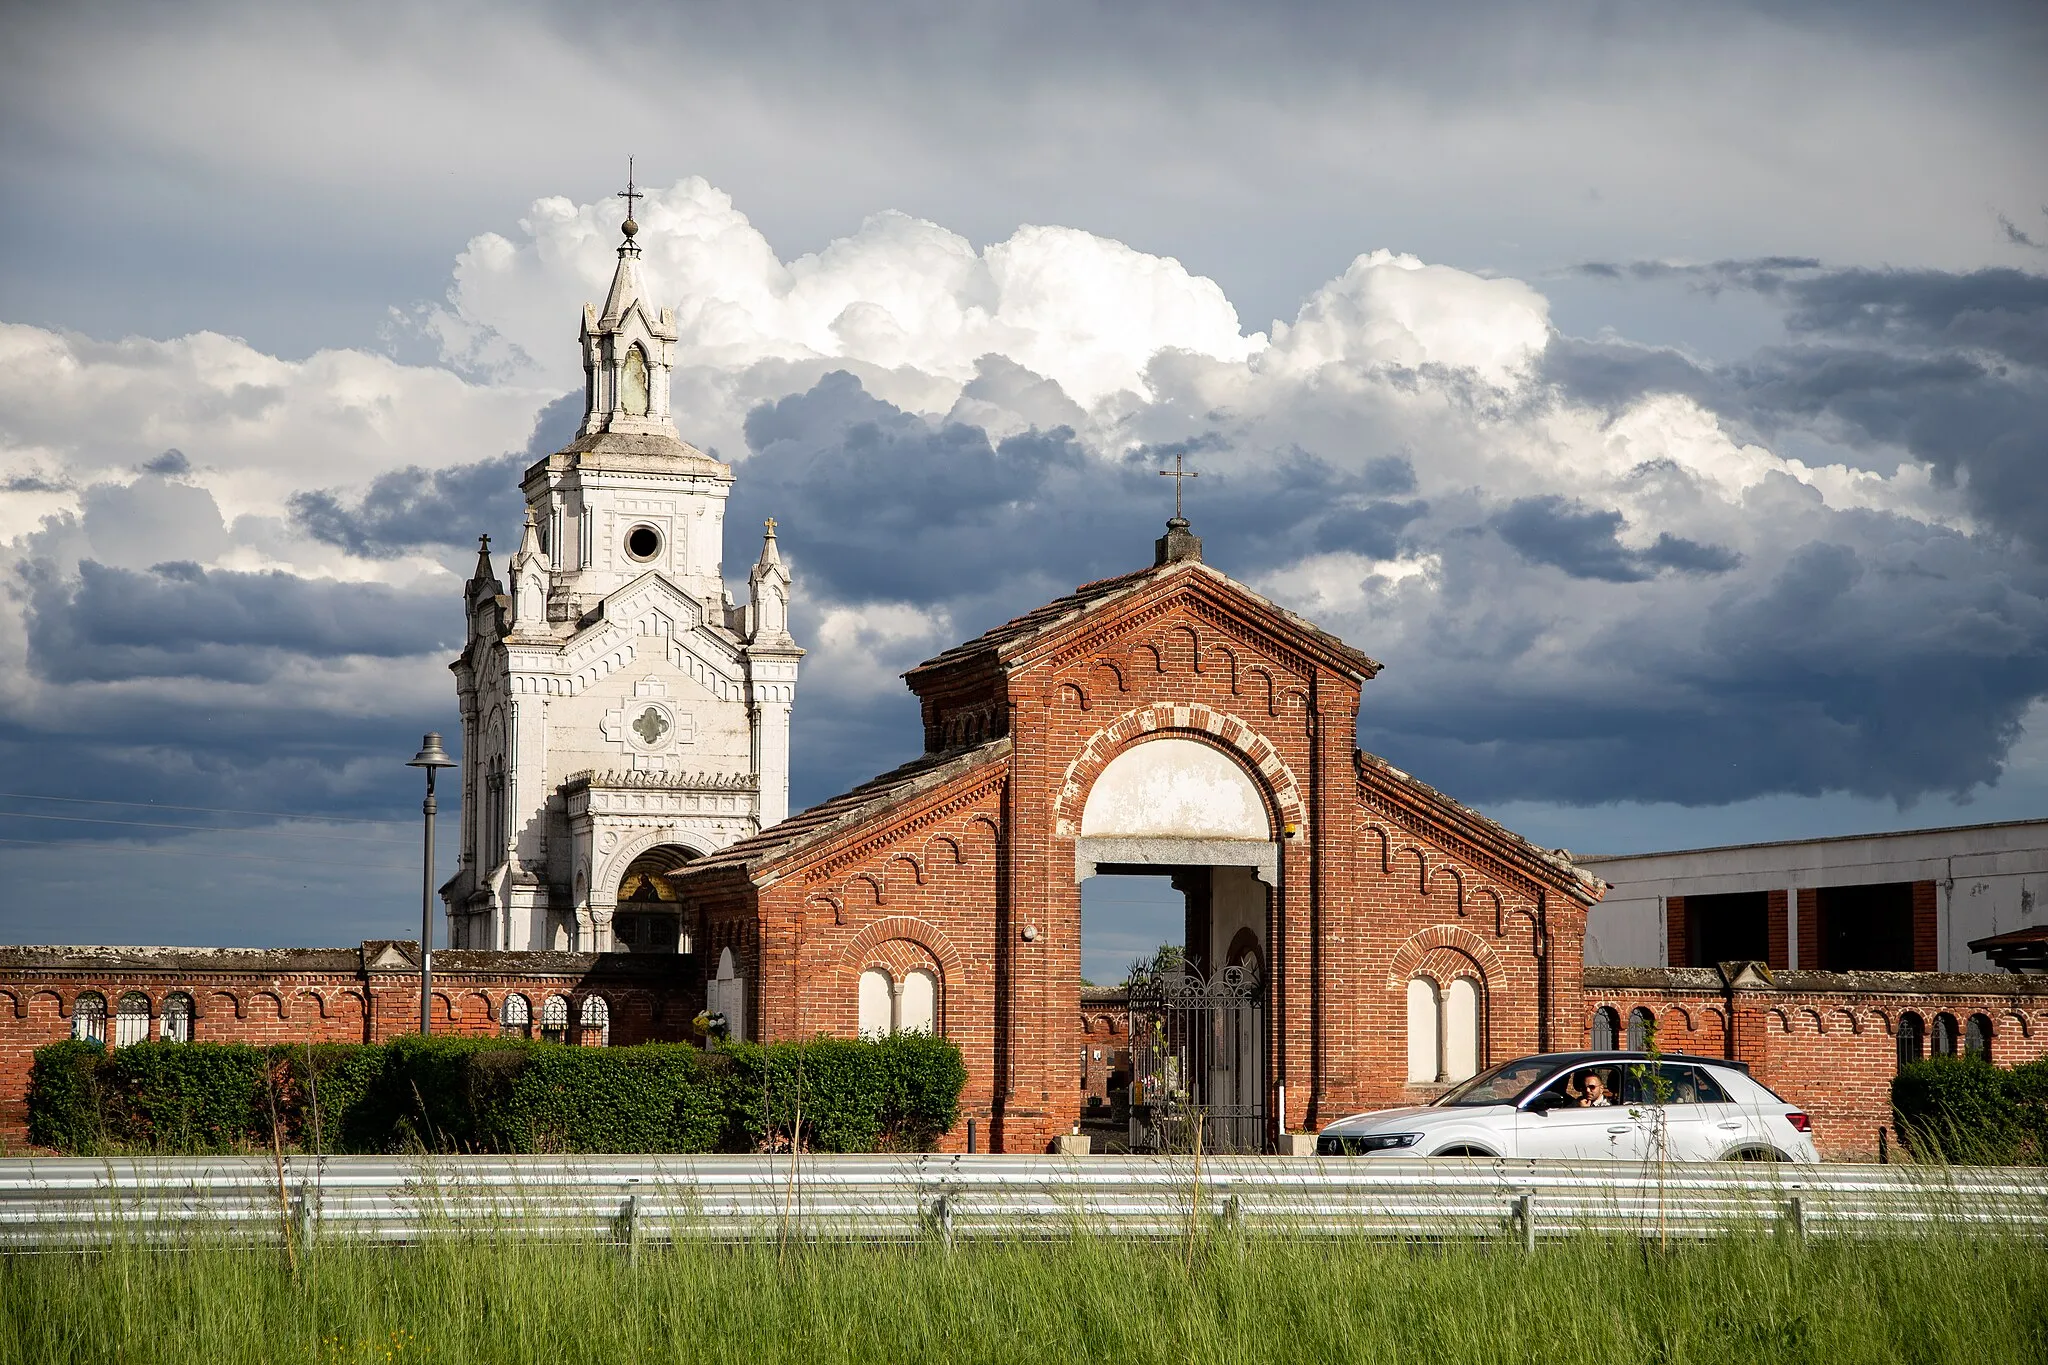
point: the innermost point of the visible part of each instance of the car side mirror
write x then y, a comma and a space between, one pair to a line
1543, 1104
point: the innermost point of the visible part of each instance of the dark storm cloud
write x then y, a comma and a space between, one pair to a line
1893, 660
171, 462
407, 509
880, 503
1950, 367
1889, 674
181, 621
1585, 543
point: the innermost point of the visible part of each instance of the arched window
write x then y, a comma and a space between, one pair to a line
554, 1019
594, 1028
89, 1018
1424, 1009
1944, 1036
633, 383
1642, 1026
131, 1019
877, 1003
1977, 1038
515, 1017
1461, 1029
919, 1011
1911, 1038
1606, 1029
176, 1025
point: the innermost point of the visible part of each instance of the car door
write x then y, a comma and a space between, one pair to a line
1669, 1095
1558, 1124
1725, 1124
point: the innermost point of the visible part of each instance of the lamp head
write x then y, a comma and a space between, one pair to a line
431, 754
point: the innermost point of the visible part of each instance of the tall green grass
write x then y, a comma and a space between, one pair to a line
1738, 1299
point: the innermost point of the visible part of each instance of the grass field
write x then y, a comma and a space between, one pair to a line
1732, 1301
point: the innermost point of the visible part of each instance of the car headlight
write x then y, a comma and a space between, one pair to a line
1346, 1144
1380, 1142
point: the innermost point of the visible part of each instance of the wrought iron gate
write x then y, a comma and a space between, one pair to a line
1198, 1054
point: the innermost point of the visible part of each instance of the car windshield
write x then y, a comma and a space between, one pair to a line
1504, 1084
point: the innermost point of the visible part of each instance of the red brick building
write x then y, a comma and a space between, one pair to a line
1169, 720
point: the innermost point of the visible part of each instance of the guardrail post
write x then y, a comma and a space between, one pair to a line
1795, 1213
302, 1210
942, 1221
1231, 1216
1525, 1214
629, 1227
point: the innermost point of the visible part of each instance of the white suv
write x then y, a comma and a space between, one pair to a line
1604, 1105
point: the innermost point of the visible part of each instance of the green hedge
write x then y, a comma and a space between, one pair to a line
496, 1095
1964, 1110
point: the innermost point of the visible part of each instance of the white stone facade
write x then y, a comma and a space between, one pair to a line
619, 712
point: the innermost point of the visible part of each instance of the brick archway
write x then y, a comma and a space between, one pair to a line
1409, 957
1220, 730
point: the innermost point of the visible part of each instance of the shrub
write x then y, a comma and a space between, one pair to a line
1966, 1110
342, 1077
497, 1095
545, 1097
897, 1093
186, 1097
63, 1097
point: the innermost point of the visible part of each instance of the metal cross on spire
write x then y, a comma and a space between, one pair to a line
629, 194
1177, 474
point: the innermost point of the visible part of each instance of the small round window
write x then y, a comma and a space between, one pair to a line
643, 543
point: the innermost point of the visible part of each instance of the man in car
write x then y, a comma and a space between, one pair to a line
1594, 1092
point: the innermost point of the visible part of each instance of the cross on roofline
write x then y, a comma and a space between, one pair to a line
1177, 474
629, 194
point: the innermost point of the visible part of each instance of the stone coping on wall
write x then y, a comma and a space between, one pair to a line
1754, 976
373, 956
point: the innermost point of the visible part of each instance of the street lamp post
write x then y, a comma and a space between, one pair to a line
430, 757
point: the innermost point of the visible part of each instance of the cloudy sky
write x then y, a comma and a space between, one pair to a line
1661, 391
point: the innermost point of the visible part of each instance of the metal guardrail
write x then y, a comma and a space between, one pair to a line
77, 1203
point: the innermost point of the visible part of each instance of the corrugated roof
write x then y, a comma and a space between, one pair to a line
850, 809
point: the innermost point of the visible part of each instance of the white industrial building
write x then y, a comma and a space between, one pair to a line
1915, 900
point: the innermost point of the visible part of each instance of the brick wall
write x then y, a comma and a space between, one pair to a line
1777, 930
1926, 939
1677, 945
321, 996
1822, 1040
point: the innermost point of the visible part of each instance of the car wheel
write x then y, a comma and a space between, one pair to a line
1756, 1154
1463, 1151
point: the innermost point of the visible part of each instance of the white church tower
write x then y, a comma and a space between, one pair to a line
620, 714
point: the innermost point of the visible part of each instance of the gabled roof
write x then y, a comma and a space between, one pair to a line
1012, 638
1550, 865
849, 810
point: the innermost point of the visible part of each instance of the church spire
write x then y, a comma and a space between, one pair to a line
626, 277
483, 580
768, 586
628, 348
